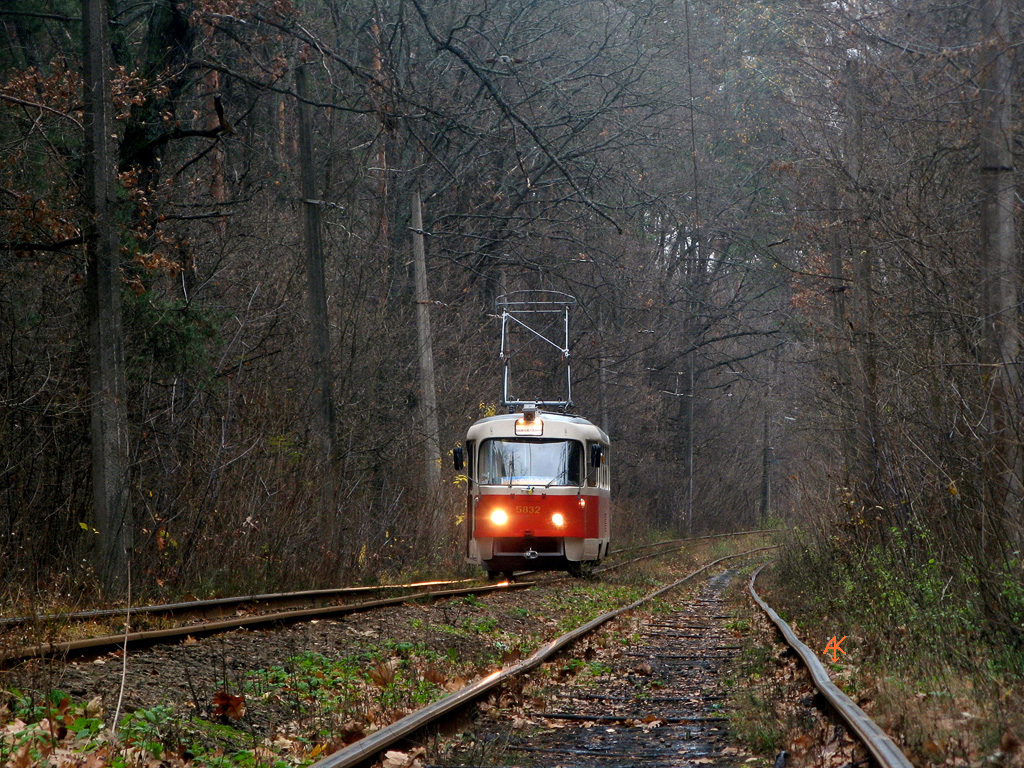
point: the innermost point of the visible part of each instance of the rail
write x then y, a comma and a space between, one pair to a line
366, 748
694, 538
197, 606
149, 637
878, 743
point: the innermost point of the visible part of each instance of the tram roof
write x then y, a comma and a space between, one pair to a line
565, 425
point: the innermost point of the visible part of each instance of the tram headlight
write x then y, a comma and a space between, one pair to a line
558, 519
529, 424
499, 517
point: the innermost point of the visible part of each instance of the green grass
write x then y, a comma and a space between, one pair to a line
752, 693
580, 604
314, 693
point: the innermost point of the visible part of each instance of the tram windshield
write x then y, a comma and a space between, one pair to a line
519, 461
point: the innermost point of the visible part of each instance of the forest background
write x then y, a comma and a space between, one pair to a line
791, 227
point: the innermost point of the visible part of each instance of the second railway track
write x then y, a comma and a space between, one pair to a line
252, 611
106, 643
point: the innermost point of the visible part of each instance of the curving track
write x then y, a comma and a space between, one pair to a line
877, 742
222, 605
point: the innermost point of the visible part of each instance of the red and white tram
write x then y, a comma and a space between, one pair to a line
539, 492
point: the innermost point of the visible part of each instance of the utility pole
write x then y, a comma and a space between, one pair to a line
316, 288
766, 456
428, 391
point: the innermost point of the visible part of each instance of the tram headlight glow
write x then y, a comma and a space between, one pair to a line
558, 519
529, 427
499, 517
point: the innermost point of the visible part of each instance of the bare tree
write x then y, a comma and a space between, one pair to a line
863, 320
1000, 266
107, 391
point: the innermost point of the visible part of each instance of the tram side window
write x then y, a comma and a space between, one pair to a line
530, 462
598, 477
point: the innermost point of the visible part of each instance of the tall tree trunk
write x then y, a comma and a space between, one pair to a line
316, 289
108, 425
696, 266
377, 97
217, 122
838, 286
766, 449
1000, 266
688, 373
867, 370
602, 371
428, 391
864, 340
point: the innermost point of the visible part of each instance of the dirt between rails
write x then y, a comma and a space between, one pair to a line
265, 696
657, 700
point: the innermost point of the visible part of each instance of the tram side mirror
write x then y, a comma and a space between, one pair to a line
595, 456
459, 458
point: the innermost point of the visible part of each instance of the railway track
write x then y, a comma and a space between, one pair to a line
222, 606
108, 643
659, 702
366, 749
660, 708
252, 611
691, 539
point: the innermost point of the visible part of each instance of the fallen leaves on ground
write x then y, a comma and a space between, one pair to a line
384, 673
432, 674
227, 706
395, 759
